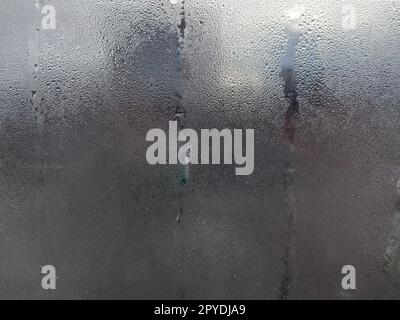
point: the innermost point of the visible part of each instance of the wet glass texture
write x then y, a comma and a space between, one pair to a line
319, 83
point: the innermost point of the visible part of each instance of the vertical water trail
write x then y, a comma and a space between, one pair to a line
392, 254
35, 99
180, 111
392, 250
290, 92
35, 96
183, 169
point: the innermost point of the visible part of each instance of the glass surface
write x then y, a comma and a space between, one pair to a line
319, 83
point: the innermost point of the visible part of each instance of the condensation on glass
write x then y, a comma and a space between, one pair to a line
317, 80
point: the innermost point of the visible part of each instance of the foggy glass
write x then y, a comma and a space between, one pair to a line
319, 83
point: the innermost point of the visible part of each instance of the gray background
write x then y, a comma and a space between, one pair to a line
76, 191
